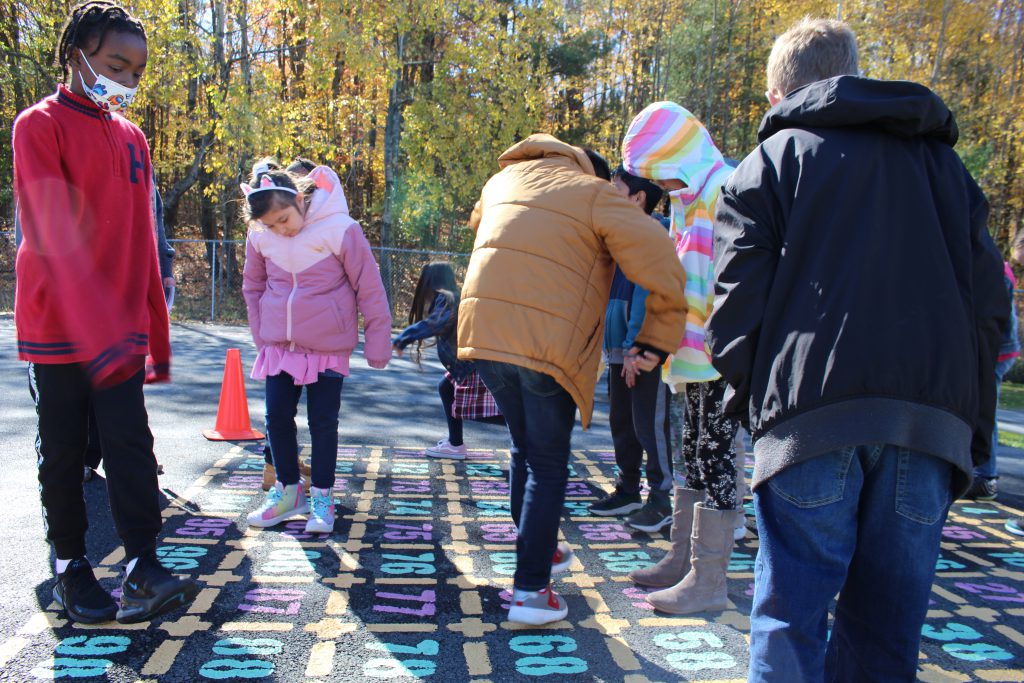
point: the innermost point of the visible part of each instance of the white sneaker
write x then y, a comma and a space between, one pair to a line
739, 532
321, 512
537, 607
444, 449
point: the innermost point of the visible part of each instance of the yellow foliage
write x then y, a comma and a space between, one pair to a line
315, 78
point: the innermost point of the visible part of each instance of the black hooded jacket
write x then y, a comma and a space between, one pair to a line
858, 295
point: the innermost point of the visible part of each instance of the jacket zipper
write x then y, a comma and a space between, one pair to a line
105, 119
288, 311
291, 295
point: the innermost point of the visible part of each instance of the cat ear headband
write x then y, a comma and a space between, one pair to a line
266, 183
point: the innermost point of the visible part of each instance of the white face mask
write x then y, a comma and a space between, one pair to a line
108, 95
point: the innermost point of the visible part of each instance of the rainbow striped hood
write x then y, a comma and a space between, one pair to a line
666, 141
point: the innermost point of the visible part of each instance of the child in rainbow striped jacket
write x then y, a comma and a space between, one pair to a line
667, 144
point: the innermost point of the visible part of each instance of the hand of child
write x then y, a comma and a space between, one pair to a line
629, 371
379, 363
645, 361
156, 374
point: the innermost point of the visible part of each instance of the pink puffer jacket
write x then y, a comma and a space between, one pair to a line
304, 293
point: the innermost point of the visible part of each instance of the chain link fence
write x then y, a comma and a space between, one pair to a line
208, 275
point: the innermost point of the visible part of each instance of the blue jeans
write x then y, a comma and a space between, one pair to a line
540, 415
988, 470
865, 522
323, 401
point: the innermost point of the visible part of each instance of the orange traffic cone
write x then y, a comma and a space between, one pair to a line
233, 412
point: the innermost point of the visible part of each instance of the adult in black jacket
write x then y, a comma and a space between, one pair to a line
858, 305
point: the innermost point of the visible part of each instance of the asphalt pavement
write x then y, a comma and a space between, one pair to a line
411, 585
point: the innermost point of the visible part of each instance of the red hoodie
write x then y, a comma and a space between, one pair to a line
89, 287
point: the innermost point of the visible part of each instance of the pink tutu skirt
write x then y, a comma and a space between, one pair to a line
304, 367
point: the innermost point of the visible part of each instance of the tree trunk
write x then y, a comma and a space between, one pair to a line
9, 31
940, 47
172, 198
397, 99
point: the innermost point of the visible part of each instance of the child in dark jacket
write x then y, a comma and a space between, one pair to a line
637, 401
463, 395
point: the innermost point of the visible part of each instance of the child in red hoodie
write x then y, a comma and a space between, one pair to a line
90, 308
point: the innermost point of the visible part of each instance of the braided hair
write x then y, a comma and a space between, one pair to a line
91, 21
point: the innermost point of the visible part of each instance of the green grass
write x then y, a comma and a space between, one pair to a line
1011, 439
1012, 396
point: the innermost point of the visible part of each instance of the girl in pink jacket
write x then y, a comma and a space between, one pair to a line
308, 273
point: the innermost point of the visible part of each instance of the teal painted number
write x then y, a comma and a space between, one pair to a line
379, 667
549, 666
71, 667
952, 632
536, 645
221, 669
248, 646
977, 652
424, 647
408, 564
546, 666
178, 557
690, 651
96, 645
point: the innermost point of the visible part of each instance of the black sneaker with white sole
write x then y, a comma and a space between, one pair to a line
655, 515
151, 590
616, 503
80, 595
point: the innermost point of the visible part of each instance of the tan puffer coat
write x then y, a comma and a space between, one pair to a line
548, 235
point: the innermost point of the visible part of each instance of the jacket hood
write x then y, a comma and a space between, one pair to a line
329, 197
899, 108
544, 146
665, 141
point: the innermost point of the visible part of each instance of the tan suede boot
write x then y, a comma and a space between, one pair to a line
269, 476
674, 566
703, 589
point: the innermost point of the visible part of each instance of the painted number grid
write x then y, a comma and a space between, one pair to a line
414, 585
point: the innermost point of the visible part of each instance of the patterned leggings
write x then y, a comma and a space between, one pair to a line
702, 441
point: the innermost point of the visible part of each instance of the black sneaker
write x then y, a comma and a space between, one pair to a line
616, 503
982, 488
655, 515
151, 590
81, 596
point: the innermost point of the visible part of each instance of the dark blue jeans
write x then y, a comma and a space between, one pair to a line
864, 522
323, 401
540, 415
